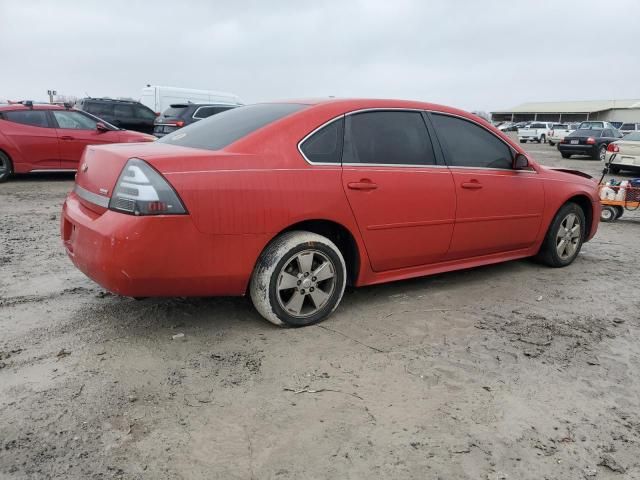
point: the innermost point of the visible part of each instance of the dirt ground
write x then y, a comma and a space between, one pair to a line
514, 371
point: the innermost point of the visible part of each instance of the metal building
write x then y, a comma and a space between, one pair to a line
610, 110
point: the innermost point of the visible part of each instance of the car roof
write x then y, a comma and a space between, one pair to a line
36, 106
109, 100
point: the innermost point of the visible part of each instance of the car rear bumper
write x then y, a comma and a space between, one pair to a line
155, 255
632, 161
578, 149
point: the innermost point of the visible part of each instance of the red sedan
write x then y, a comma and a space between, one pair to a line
41, 137
290, 202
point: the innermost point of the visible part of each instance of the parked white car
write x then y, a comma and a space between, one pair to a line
559, 131
629, 128
536, 131
627, 153
159, 98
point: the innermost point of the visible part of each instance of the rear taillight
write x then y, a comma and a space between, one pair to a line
141, 190
179, 123
613, 148
591, 141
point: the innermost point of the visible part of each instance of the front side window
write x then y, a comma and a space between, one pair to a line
469, 145
35, 118
387, 138
325, 145
73, 120
223, 129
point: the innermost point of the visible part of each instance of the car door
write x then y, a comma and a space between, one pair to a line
402, 198
144, 119
75, 131
123, 117
499, 209
33, 135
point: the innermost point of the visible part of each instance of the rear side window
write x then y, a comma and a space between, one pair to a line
221, 130
325, 145
99, 108
122, 110
35, 118
205, 112
469, 145
627, 126
387, 138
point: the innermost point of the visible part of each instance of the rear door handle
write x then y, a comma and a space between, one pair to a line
362, 186
67, 137
472, 185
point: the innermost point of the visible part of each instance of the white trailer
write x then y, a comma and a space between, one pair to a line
159, 98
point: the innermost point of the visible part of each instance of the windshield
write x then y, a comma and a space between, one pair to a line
221, 130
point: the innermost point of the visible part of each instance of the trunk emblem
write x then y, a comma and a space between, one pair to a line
104, 191
84, 167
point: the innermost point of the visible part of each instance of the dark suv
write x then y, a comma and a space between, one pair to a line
126, 114
182, 114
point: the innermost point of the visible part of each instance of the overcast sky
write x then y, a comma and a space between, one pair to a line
472, 54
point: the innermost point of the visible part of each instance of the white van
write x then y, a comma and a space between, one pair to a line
159, 98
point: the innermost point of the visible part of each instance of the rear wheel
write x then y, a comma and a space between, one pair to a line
601, 153
299, 279
523, 141
564, 237
543, 139
565, 155
6, 167
608, 214
619, 211
551, 143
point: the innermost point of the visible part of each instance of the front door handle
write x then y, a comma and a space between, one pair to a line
66, 137
362, 186
472, 185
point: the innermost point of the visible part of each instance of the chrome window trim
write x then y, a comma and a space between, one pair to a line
329, 122
91, 197
378, 109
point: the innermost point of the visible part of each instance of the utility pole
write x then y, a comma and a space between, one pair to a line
51, 94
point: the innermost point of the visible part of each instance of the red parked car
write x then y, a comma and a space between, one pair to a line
290, 202
42, 137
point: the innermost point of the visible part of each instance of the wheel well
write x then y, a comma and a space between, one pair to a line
585, 204
339, 235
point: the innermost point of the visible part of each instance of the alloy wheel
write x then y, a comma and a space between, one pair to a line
568, 236
4, 167
305, 283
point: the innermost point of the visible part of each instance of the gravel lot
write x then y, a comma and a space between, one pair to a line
514, 371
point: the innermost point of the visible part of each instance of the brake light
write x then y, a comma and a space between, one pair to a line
179, 123
141, 190
591, 141
613, 148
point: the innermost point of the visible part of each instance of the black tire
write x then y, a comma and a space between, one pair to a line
608, 214
551, 143
565, 155
614, 169
6, 167
281, 263
619, 211
551, 246
523, 141
543, 139
601, 153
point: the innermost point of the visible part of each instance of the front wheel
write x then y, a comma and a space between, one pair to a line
298, 280
6, 167
564, 237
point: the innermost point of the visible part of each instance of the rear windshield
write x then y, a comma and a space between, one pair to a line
586, 132
560, 126
537, 125
175, 110
635, 136
221, 130
587, 125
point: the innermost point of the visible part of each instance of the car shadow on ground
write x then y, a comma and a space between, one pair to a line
42, 177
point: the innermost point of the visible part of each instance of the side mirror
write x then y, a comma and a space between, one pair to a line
101, 127
521, 162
